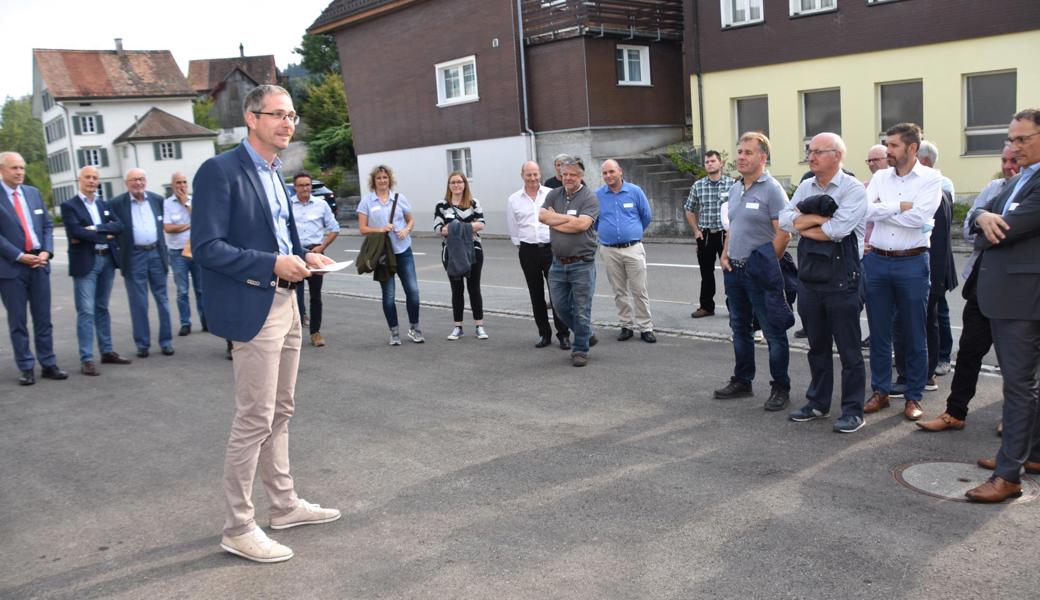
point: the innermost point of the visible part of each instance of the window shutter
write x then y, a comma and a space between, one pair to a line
75, 125
177, 150
104, 157
108, 189
155, 149
99, 124
81, 158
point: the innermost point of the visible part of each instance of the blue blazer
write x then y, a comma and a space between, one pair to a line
121, 208
76, 218
12, 236
233, 240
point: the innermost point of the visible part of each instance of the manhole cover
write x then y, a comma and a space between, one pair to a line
949, 480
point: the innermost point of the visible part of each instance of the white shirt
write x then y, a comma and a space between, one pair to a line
95, 216
522, 217
895, 230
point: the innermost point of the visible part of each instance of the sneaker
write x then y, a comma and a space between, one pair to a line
305, 513
734, 389
395, 338
255, 545
481, 333
456, 333
898, 390
779, 398
759, 336
931, 385
849, 424
305, 320
806, 413
415, 334
943, 368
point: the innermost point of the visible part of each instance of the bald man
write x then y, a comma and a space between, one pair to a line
177, 230
144, 260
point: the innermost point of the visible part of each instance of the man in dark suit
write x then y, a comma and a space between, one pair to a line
143, 259
26, 246
244, 237
1009, 294
91, 227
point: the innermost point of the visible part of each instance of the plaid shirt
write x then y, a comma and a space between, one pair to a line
706, 196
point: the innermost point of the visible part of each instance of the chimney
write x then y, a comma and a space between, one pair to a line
241, 50
119, 44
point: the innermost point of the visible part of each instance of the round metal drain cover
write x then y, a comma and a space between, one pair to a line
949, 480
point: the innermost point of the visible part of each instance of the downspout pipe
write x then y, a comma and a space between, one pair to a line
532, 150
697, 71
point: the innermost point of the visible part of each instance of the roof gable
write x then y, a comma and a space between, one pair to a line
205, 75
158, 124
341, 13
70, 74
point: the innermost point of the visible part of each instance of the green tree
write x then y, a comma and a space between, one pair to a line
333, 147
319, 54
326, 104
203, 113
20, 131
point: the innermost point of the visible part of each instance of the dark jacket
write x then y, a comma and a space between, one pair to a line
12, 236
76, 218
120, 206
764, 269
827, 265
940, 255
459, 253
377, 257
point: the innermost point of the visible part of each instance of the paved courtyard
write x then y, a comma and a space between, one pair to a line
491, 469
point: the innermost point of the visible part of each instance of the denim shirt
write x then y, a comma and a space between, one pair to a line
274, 190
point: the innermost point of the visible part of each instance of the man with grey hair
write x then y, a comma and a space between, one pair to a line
244, 238
571, 213
144, 260
929, 155
555, 182
828, 210
177, 227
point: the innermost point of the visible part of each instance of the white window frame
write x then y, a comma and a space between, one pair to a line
92, 157
167, 151
459, 65
463, 163
644, 65
818, 7
87, 125
978, 130
729, 18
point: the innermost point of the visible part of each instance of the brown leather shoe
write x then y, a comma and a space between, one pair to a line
112, 358
996, 489
991, 464
700, 313
912, 411
877, 402
317, 340
88, 368
942, 423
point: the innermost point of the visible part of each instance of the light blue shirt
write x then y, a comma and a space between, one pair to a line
25, 211
313, 219
274, 190
146, 231
851, 197
1023, 177
175, 213
379, 214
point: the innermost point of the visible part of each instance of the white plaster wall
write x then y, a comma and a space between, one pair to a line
159, 173
422, 176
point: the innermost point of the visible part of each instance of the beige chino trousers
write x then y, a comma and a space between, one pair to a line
265, 378
626, 272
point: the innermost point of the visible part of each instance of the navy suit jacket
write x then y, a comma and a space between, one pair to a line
121, 208
76, 217
233, 240
1009, 272
12, 236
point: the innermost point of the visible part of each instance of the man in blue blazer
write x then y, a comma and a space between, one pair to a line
26, 246
143, 259
91, 227
244, 238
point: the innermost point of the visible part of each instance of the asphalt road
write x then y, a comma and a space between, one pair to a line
480, 469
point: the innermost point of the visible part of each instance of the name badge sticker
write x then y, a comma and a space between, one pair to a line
628, 205
752, 205
106, 213
38, 211
1013, 206
159, 218
572, 212
377, 208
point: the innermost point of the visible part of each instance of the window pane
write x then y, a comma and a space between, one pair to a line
451, 83
739, 14
756, 9
635, 70
987, 143
991, 99
753, 115
901, 103
822, 112
620, 54
469, 76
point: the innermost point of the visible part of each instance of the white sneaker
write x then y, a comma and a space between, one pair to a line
456, 333
305, 513
481, 333
759, 336
943, 368
415, 335
255, 545
395, 338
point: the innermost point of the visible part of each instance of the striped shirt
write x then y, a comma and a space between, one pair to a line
444, 213
706, 198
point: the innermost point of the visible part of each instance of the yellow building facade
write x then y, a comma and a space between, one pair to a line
943, 70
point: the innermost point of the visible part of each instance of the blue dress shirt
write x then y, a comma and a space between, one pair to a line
274, 190
623, 215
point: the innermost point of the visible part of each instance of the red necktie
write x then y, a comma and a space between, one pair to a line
25, 224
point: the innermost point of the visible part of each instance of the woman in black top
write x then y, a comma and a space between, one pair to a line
460, 205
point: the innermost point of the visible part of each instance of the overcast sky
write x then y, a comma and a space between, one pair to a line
190, 29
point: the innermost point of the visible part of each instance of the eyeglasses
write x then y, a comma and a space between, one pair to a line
811, 152
280, 115
874, 160
136, 179
1021, 139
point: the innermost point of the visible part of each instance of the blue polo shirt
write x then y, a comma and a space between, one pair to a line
623, 215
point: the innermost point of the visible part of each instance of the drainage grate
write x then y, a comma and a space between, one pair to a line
949, 480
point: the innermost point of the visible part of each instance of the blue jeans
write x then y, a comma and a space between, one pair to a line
182, 267
147, 271
746, 300
92, 292
571, 288
406, 271
898, 283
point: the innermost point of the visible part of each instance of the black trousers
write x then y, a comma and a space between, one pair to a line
976, 340
827, 316
471, 281
709, 249
314, 284
535, 262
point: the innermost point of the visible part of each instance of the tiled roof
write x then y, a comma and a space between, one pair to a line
161, 125
205, 75
343, 12
71, 74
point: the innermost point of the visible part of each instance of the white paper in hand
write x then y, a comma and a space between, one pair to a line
332, 268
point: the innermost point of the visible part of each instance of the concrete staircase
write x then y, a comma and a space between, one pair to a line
665, 187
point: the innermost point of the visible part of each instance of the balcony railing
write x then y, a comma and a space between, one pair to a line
547, 20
